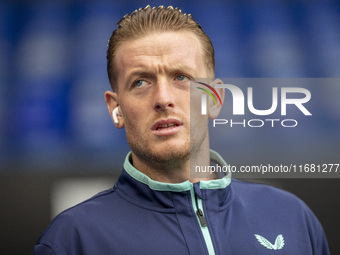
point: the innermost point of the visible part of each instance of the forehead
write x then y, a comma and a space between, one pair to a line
160, 51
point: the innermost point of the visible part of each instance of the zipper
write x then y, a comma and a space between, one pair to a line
198, 208
200, 214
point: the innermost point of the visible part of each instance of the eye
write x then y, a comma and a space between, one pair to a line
182, 77
140, 83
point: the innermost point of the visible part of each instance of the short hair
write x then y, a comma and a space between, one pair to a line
147, 20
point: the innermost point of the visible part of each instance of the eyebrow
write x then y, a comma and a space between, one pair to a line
182, 68
142, 72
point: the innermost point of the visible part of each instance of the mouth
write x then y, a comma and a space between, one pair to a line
166, 127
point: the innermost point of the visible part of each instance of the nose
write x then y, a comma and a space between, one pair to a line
164, 96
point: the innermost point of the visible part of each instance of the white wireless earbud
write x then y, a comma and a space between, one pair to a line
115, 113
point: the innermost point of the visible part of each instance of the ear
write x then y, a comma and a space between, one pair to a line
112, 102
215, 109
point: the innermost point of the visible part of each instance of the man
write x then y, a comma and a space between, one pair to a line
156, 206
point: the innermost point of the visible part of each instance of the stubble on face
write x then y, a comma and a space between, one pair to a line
168, 155
162, 152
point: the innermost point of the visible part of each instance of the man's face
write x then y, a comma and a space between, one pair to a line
154, 75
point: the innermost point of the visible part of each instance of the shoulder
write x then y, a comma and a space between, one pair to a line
259, 191
273, 211
266, 198
263, 199
98, 204
68, 227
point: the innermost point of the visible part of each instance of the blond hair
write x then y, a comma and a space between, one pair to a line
146, 20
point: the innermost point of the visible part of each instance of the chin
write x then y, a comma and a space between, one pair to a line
166, 154
171, 156
170, 151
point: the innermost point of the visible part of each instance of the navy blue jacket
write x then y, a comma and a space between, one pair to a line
224, 216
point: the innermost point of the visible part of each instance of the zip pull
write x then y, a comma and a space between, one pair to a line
201, 218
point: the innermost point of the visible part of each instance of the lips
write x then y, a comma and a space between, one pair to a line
166, 127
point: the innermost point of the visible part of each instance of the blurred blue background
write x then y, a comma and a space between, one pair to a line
53, 116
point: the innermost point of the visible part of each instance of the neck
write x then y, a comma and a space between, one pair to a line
177, 171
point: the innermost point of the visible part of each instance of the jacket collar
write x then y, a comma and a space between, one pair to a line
178, 187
